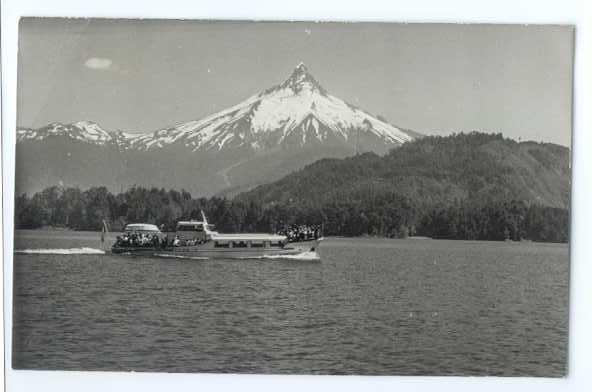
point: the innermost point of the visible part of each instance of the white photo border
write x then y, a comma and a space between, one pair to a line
572, 12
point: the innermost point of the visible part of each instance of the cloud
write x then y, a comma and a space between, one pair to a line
98, 63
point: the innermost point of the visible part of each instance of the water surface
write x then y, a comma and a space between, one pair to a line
370, 306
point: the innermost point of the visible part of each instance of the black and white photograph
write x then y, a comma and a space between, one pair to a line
292, 197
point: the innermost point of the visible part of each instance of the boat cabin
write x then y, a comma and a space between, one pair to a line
192, 231
141, 228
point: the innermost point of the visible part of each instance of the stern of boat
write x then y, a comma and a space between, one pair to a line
316, 244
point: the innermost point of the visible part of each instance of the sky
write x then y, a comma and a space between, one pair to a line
436, 79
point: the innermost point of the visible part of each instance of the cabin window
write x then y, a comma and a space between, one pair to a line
240, 244
276, 244
198, 228
218, 244
256, 244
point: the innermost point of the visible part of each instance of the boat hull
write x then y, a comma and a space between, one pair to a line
207, 251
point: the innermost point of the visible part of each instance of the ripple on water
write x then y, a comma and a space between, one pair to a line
369, 306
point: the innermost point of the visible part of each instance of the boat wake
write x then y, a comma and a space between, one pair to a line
70, 251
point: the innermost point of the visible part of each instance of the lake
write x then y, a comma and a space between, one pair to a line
368, 306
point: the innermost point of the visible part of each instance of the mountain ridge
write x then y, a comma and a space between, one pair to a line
261, 139
435, 170
316, 113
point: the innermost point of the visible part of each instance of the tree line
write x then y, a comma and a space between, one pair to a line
386, 214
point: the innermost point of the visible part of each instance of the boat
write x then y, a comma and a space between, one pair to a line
138, 239
198, 239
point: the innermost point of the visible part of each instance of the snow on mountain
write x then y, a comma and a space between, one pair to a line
297, 112
297, 109
265, 137
85, 131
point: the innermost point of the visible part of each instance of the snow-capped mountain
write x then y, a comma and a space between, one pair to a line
263, 138
296, 112
84, 131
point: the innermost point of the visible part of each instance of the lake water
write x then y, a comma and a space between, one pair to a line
369, 306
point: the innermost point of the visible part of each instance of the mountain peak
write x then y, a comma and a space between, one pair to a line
301, 68
298, 113
87, 131
85, 123
300, 79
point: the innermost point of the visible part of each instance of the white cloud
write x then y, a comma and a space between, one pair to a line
98, 63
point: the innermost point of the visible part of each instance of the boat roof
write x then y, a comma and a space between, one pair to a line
141, 227
248, 237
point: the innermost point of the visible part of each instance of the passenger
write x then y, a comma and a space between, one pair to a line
176, 241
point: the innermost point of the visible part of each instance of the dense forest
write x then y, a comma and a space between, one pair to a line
483, 168
475, 186
390, 216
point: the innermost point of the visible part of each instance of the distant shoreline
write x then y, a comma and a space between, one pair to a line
415, 238
52, 228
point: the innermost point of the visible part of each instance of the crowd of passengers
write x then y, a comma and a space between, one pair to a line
141, 240
138, 240
297, 233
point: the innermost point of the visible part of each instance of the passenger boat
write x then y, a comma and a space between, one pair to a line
132, 240
197, 239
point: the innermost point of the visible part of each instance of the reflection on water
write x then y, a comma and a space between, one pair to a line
369, 306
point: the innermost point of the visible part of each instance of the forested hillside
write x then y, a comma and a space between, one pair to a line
474, 186
476, 167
